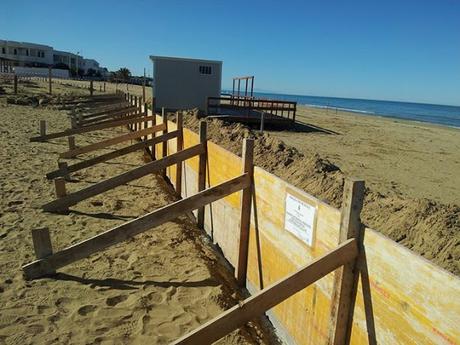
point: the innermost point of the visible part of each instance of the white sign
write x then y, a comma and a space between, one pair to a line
299, 219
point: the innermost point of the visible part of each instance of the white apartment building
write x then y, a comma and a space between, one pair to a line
24, 54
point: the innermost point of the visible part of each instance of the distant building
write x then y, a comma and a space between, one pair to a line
24, 54
181, 83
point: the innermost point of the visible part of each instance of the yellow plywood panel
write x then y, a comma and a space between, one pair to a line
222, 164
301, 315
413, 301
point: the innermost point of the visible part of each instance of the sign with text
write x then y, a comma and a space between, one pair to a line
300, 218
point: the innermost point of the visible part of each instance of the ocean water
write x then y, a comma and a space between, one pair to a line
438, 114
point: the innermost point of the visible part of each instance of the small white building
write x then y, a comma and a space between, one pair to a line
181, 83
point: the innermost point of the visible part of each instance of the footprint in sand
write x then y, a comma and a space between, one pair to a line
113, 301
41, 309
86, 309
35, 329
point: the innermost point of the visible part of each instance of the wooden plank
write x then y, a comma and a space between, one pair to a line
101, 187
110, 111
125, 116
110, 155
245, 219
96, 127
106, 109
127, 230
91, 101
267, 298
110, 142
202, 170
180, 146
108, 117
346, 280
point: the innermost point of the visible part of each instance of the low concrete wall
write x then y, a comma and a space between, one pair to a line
413, 301
40, 72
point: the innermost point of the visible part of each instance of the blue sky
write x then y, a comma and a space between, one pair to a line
393, 50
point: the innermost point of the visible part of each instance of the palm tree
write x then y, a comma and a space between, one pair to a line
123, 74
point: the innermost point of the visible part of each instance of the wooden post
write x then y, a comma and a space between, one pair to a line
73, 120
71, 140
346, 279
245, 220
143, 87
202, 170
164, 116
42, 243
146, 123
154, 122
59, 184
104, 86
262, 119
136, 105
91, 88
15, 84
65, 170
42, 127
180, 146
49, 80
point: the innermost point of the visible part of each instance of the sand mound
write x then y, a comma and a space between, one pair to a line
429, 228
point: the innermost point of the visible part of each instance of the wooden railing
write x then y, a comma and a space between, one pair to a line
247, 105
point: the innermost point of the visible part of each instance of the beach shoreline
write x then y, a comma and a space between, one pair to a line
380, 116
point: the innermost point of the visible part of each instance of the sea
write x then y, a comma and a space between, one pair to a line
446, 115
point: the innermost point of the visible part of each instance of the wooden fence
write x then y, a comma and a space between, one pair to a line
282, 243
401, 298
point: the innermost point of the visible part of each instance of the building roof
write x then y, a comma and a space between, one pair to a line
154, 58
35, 45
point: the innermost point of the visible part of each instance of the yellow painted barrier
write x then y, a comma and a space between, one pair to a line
408, 299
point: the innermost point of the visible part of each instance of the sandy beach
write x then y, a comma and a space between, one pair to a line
152, 288
412, 159
169, 280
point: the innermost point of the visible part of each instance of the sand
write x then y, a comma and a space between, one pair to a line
426, 226
412, 159
150, 289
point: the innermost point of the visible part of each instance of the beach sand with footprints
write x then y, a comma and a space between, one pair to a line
152, 288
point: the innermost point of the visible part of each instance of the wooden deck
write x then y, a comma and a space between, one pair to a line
249, 110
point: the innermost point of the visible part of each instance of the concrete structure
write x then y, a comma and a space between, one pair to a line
40, 72
180, 83
26, 54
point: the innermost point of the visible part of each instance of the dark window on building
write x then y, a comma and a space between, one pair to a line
3, 51
15, 51
205, 70
27, 52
